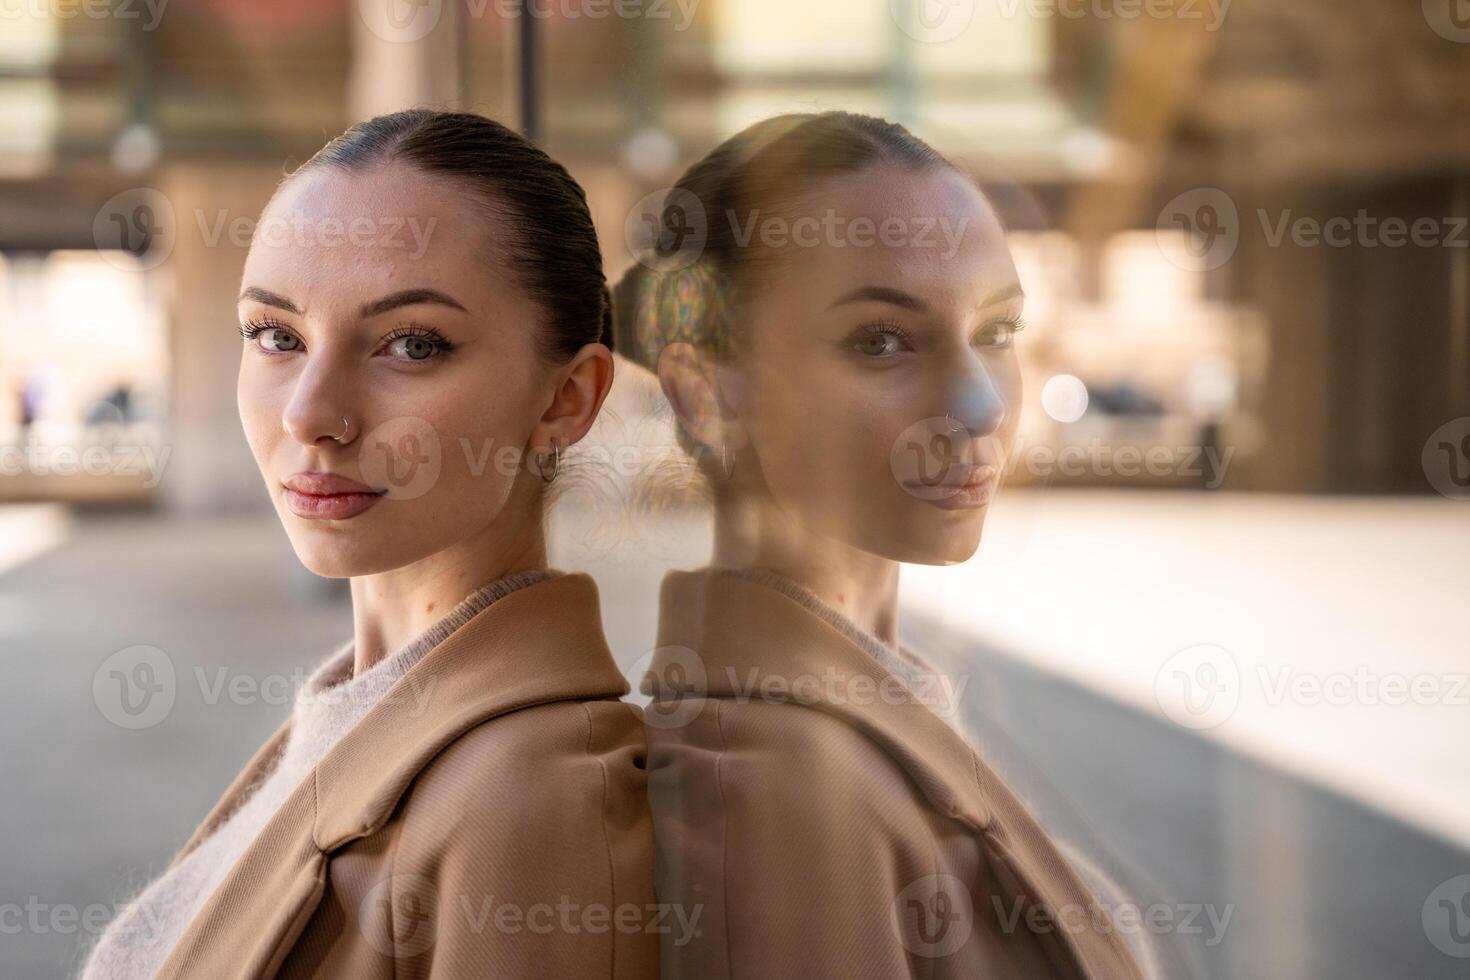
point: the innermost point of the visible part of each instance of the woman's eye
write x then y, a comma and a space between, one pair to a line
879, 343
276, 340
280, 340
999, 334
412, 348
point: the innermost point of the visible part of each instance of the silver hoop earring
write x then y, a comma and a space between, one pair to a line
555, 456
725, 459
345, 426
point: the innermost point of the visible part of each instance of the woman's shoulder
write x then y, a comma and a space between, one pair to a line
538, 753
763, 756
546, 801
521, 820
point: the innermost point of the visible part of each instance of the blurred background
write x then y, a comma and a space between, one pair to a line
1220, 610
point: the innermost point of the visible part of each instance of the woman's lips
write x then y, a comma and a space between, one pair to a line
976, 491
969, 495
328, 496
329, 507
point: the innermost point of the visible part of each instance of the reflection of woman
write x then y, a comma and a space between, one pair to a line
458, 790
831, 315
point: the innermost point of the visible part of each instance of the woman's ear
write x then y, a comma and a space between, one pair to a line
691, 382
582, 385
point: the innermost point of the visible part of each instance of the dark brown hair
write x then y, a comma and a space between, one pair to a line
688, 284
553, 245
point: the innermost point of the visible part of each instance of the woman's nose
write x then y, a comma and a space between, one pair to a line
318, 411
976, 402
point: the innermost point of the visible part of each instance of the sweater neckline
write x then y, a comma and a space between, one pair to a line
898, 659
333, 699
336, 671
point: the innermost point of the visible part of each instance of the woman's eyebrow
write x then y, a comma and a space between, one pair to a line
1001, 295
882, 294
404, 297
411, 297
897, 297
269, 299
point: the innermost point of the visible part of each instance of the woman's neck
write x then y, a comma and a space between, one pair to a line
860, 585
390, 609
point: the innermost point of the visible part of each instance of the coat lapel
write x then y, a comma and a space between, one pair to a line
539, 644
742, 634
721, 635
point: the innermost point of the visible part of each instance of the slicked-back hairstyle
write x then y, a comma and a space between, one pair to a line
760, 170
552, 244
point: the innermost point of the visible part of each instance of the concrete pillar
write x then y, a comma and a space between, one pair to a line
210, 470
405, 54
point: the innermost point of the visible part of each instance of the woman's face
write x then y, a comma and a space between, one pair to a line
879, 388
375, 296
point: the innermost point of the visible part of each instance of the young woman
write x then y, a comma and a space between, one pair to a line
832, 312
459, 791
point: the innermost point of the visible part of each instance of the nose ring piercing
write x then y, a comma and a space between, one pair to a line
345, 426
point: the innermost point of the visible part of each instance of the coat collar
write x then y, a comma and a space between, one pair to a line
728, 636
539, 644
719, 630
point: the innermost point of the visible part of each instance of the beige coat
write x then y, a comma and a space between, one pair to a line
502, 831
832, 826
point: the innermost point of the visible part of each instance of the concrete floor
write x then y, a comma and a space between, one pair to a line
1318, 884
1334, 626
